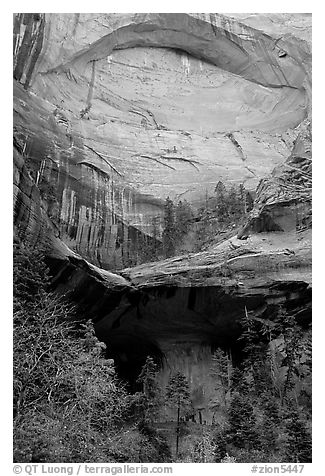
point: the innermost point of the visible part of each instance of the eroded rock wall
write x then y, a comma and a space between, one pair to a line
113, 123
28, 43
107, 124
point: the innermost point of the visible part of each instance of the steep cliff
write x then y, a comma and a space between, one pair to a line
112, 114
119, 111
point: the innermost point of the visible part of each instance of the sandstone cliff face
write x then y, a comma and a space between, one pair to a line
113, 113
115, 123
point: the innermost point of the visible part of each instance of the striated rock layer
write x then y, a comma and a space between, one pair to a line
118, 111
113, 113
181, 309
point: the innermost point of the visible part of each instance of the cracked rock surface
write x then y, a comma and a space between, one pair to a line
115, 112
123, 110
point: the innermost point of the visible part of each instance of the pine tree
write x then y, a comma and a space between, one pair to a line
221, 371
242, 423
243, 198
238, 381
205, 230
169, 233
221, 199
249, 202
178, 394
148, 246
277, 372
184, 215
254, 350
298, 447
292, 335
151, 398
183, 218
156, 241
234, 204
270, 423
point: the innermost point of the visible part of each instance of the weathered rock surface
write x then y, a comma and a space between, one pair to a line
180, 310
111, 123
115, 123
283, 199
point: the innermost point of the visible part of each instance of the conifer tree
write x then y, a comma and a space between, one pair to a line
205, 227
221, 201
183, 218
221, 371
270, 423
298, 446
243, 198
292, 335
156, 240
238, 381
178, 395
249, 202
169, 233
242, 423
254, 350
235, 207
148, 246
246, 201
151, 398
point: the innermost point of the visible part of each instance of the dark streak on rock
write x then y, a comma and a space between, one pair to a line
105, 160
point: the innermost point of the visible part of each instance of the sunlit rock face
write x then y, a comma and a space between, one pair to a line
115, 112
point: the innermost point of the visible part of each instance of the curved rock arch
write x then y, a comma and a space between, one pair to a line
228, 44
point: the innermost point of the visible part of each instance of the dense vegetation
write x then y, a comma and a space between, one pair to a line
267, 400
184, 229
262, 408
70, 406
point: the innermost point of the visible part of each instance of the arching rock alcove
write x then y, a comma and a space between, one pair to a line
124, 110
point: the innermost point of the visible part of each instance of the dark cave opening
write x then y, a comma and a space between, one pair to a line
136, 322
147, 321
129, 353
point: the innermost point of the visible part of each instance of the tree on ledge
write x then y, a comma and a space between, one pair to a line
169, 233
